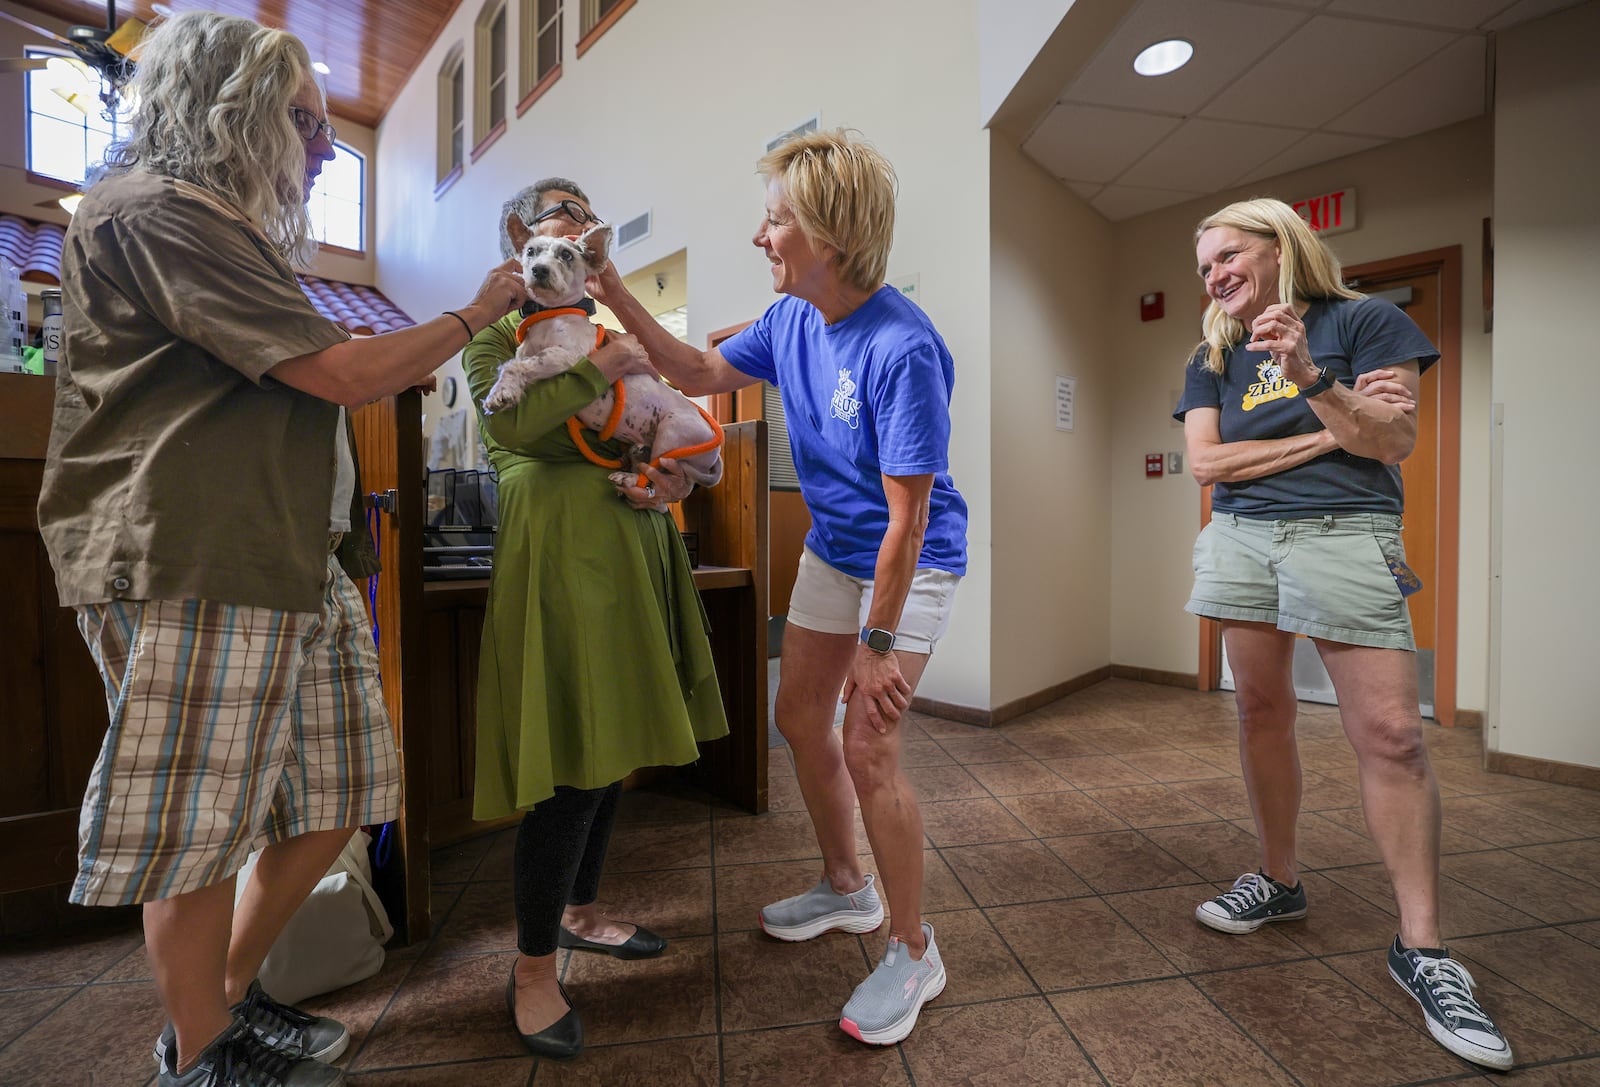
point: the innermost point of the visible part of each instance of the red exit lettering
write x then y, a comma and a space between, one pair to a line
1329, 213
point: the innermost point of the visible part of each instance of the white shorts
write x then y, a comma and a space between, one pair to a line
830, 601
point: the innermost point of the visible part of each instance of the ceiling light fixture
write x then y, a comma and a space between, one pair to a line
69, 204
320, 68
163, 10
1163, 57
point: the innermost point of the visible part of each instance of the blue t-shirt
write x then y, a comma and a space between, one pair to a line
863, 398
1347, 337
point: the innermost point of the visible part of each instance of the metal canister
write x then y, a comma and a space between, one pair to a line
51, 298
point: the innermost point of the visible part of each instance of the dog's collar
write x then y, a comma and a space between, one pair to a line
543, 314
585, 304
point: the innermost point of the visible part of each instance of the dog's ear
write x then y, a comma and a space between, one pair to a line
518, 232
596, 243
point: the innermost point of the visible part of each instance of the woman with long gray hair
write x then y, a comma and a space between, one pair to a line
199, 495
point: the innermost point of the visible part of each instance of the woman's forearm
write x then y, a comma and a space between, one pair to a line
1366, 426
1236, 462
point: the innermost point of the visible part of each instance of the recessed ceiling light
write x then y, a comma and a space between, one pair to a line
163, 10
320, 68
1163, 57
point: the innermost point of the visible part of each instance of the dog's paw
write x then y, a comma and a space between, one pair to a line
500, 397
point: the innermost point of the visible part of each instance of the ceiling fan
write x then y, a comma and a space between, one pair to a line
109, 50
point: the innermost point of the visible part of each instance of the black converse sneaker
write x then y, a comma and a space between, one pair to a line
1444, 989
239, 1058
280, 1027
1254, 900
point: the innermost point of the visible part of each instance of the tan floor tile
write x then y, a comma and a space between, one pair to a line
456, 863
505, 1072
448, 1006
1320, 793
1577, 860
1338, 920
742, 889
648, 846
968, 822
817, 1055
1324, 843
669, 802
1058, 744
941, 890
1548, 963
769, 983
978, 964
1012, 1042
1219, 852
1457, 742
1118, 741
1224, 797
1052, 815
644, 1000
992, 748
484, 919
135, 965
776, 836
1004, 873
1151, 806
933, 783
1097, 772
680, 1062
1171, 766
21, 1009
1451, 839
70, 959
671, 903
783, 792
1181, 1040
1589, 932
1120, 861
1497, 824
1468, 777
101, 1036
1325, 1030
1165, 917
1525, 885
1077, 942
1462, 910
1576, 810
1224, 757
924, 753
1576, 1074
1017, 778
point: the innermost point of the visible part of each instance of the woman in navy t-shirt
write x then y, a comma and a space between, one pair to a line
866, 382
1298, 407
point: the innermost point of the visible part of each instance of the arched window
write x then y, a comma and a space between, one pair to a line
452, 87
490, 74
68, 127
540, 54
597, 17
338, 201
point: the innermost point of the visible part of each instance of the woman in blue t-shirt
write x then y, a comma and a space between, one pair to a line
1298, 407
866, 381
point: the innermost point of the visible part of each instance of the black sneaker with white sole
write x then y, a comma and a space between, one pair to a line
1444, 989
1254, 900
285, 1029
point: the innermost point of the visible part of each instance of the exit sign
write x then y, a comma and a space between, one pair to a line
1330, 213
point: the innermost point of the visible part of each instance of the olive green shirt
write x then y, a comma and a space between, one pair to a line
176, 469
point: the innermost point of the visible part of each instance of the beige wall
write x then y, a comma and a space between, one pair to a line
1049, 292
1427, 192
670, 115
1546, 699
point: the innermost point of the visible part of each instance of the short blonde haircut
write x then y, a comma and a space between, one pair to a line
842, 192
1307, 269
211, 106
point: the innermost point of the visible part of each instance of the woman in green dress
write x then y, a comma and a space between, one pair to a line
595, 657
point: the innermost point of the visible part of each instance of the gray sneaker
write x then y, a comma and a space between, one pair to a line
823, 909
1255, 900
1443, 987
237, 1058
287, 1030
884, 1008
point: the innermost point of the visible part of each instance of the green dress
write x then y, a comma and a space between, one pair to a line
595, 657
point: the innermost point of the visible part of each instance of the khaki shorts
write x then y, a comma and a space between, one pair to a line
231, 728
830, 601
1325, 577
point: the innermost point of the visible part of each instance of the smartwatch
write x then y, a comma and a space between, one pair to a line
1323, 383
877, 640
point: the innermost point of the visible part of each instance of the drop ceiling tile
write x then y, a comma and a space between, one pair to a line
1203, 156
1226, 36
1452, 14
1125, 201
1444, 89
1315, 148
1087, 143
1527, 9
1086, 189
1323, 70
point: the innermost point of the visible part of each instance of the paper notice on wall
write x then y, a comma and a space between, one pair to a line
1066, 394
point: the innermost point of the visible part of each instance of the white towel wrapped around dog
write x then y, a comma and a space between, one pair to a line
335, 938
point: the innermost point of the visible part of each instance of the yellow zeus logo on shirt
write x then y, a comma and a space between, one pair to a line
1272, 386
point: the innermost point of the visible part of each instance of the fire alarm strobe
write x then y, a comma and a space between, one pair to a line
1152, 465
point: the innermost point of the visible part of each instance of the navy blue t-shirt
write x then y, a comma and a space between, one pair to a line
1347, 337
863, 398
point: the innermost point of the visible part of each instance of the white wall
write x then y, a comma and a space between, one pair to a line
670, 115
1427, 192
1051, 496
1547, 278
1010, 34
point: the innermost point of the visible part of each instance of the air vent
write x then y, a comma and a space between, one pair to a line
781, 475
810, 124
634, 230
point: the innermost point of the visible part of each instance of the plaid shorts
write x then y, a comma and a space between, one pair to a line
231, 728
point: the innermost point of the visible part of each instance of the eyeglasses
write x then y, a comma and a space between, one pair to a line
571, 209
306, 123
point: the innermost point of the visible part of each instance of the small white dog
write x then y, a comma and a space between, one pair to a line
656, 419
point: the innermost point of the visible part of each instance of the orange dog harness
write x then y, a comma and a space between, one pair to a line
619, 404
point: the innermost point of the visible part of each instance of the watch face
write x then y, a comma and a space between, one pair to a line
879, 641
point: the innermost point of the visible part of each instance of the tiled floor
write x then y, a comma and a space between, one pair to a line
1066, 852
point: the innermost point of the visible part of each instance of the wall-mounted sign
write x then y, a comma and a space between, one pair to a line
1330, 213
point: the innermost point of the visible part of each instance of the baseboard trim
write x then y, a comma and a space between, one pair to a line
1469, 718
1189, 681
1556, 773
999, 715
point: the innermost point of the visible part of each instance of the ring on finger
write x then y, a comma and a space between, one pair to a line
649, 490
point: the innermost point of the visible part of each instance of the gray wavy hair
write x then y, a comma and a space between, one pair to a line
525, 205
212, 96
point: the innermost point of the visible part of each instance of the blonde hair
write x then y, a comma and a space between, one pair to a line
1307, 269
842, 192
211, 107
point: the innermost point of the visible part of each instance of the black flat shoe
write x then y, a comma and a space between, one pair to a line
643, 944
561, 1040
